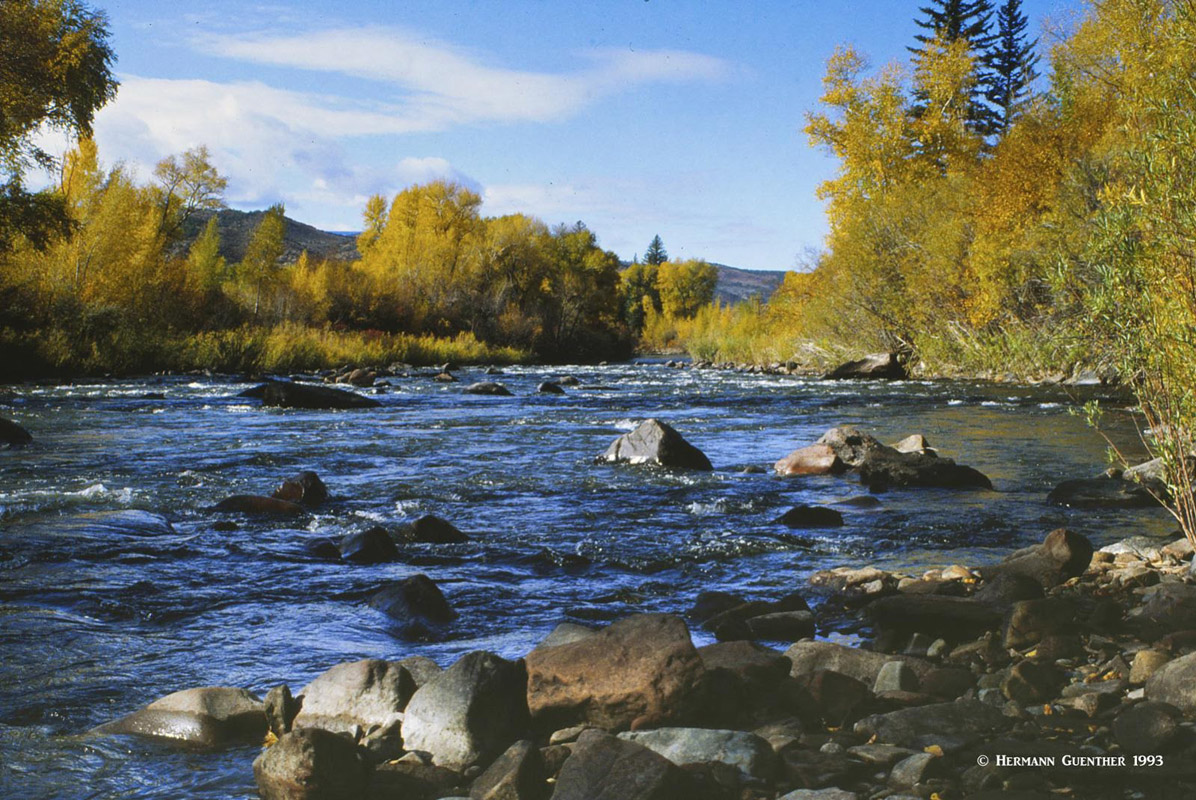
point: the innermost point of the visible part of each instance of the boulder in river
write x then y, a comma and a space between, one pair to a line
550, 387
371, 546
470, 713
885, 467
1063, 554
13, 434
490, 388
656, 442
429, 529
416, 604
286, 394
849, 444
877, 366
311, 764
257, 504
304, 488
815, 459
640, 671
811, 517
357, 695
1105, 491
207, 717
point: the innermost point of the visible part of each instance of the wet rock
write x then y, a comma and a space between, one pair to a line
1032, 682
360, 377
356, 696
860, 501
815, 459
811, 517
746, 752
603, 767
444, 377
887, 468
1029, 621
311, 764
737, 622
655, 442
1105, 491
429, 529
896, 676
849, 444
955, 619
305, 488
1147, 728
863, 665
569, 380
256, 504
877, 366
565, 633
838, 698
549, 387
951, 726
206, 717
782, 626
1063, 554
518, 774
1169, 607
469, 713
322, 548
284, 394
711, 604
371, 546
13, 434
641, 670
914, 443
281, 709
416, 604
488, 388
1175, 683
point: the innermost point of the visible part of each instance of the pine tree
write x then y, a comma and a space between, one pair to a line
1012, 63
951, 20
656, 254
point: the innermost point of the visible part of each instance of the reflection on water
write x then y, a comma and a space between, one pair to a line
99, 617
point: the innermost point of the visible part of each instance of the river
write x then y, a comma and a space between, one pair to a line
101, 619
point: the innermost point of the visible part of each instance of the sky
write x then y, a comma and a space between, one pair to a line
677, 118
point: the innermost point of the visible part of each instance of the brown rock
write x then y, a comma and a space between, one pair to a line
815, 459
1062, 554
311, 764
603, 767
1146, 664
639, 671
306, 488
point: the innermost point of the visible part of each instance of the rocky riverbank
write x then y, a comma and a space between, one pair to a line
1057, 672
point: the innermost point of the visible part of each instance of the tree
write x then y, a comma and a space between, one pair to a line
686, 287
55, 72
949, 21
259, 267
205, 265
1012, 62
185, 186
655, 254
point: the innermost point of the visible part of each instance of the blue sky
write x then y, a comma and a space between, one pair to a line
681, 119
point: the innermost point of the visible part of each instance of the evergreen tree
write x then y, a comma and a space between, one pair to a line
656, 254
1012, 65
949, 21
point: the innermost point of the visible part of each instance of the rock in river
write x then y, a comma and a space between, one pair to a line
815, 459
311, 764
490, 388
285, 394
655, 442
416, 604
365, 694
13, 434
305, 488
206, 717
256, 504
877, 366
811, 517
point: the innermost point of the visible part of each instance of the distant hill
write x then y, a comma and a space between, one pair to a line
236, 227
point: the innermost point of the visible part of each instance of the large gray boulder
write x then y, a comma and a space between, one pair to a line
603, 767
1175, 683
206, 717
311, 764
357, 696
747, 752
876, 366
951, 726
417, 606
655, 442
863, 665
284, 394
470, 713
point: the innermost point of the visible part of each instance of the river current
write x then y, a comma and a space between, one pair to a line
98, 619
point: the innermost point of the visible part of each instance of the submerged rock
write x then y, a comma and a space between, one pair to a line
13, 434
655, 442
207, 717
284, 394
550, 387
416, 604
488, 388
877, 366
811, 517
304, 488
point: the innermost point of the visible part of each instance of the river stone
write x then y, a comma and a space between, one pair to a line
416, 604
863, 665
429, 529
814, 459
876, 366
305, 488
640, 670
885, 467
422, 669
206, 717
518, 774
782, 626
356, 695
371, 546
1029, 621
711, 604
285, 394
1030, 682
13, 434
256, 504
755, 667
488, 388
311, 764
1146, 664
655, 442
896, 676
839, 698
1063, 554
1105, 491
914, 443
469, 713
849, 444
811, 517
1147, 728
951, 726
1007, 588
1169, 607
281, 709
565, 633
952, 618
549, 387
603, 767
747, 752
1175, 683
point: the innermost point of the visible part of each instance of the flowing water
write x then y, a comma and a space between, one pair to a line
101, 614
